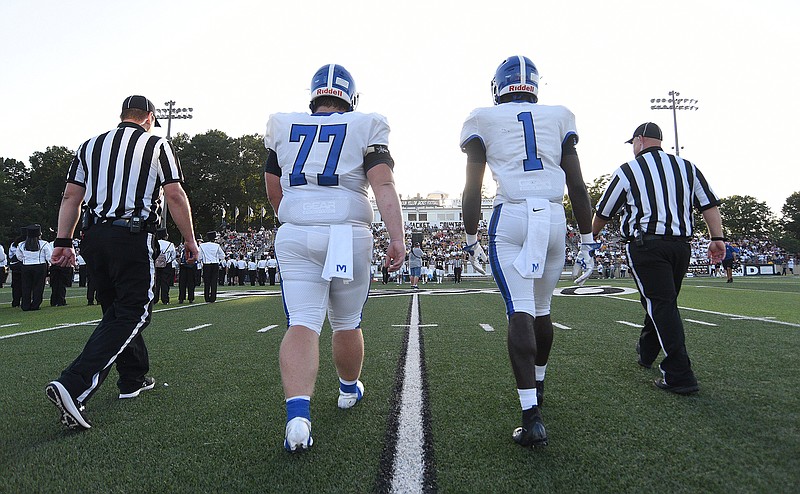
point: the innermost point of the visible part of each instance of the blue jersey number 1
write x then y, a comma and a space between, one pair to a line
305, 134
532, 161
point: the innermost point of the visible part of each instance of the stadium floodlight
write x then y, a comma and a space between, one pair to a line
674, 103
171, 113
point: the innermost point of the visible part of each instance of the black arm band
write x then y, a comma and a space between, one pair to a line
62, 242
714, 239
376, 155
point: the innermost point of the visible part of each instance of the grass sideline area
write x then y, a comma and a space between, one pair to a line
214, 422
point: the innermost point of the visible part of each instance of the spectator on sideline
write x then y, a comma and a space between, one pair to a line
35, 255
165, 273
415, 256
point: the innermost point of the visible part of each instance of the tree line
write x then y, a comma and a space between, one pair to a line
223, 173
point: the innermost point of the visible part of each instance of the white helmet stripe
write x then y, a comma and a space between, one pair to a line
522, 68
331, 67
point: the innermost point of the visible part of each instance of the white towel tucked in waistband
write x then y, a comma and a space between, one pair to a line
530, 261
339, 261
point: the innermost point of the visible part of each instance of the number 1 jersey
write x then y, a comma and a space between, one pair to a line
523, 148
321, 158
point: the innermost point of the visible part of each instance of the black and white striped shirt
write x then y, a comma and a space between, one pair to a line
656, 192
123, 170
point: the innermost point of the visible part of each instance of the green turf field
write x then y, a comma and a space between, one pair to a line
214, 422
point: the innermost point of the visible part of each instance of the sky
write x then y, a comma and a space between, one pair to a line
424, 64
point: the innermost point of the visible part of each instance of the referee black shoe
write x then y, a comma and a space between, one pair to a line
147, 384
685, 389
71, 415
639, 360
532, 434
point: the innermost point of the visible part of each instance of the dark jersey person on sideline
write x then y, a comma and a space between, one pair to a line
122, 176
655, 193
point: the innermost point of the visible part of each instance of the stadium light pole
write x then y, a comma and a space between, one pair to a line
171, 113
674, 103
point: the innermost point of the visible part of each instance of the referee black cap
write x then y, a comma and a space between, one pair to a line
211, 236
34, 230
140, 102
647, 129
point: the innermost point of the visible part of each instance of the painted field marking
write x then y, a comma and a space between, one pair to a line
197, 327
700, 322
561, 326
60, 326
418, 325
632, 324
264, 330
9, 325
409, 465
723, 314
486, 327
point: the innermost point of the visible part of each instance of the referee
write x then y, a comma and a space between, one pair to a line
655, 193
122, 176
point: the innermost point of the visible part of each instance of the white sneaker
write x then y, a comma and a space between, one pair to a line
348, 400
298, 435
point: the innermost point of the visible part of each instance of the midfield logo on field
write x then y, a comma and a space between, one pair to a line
588, 291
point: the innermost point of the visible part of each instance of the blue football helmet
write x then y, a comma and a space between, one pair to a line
516, 74
334, 80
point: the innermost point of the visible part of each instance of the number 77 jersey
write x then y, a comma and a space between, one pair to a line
321, 164
523, 143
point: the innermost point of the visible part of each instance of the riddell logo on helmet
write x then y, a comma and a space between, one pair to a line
521, 87
329, 90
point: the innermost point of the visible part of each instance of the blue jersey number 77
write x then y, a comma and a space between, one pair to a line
305, 135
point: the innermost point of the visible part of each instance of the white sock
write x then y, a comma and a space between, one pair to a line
527, 398
348, 383
540, 370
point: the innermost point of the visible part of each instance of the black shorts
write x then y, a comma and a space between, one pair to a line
727, 263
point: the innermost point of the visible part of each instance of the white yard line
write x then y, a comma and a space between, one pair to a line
723, 314
561, 326
195, 328
9, 325
409, 465
264, 330
700, 322
632, 324
486, 327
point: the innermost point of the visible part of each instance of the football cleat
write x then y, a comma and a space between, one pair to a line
348, 400
532, 434
71, 416
298, 435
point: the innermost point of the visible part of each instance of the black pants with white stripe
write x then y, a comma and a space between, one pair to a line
659, 267
121, 267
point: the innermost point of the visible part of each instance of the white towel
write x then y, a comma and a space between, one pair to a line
339, 260
530, 261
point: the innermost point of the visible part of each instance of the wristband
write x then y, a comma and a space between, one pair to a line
714, 239
587, 238
62, 242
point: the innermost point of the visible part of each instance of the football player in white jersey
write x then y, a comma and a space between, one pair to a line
319, 166
530, 149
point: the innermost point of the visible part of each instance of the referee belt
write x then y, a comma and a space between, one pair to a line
122, 223
668, 238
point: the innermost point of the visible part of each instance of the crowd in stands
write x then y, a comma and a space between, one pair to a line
442, 244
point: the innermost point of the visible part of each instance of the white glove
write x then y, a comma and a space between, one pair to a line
476, 256
585, 261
